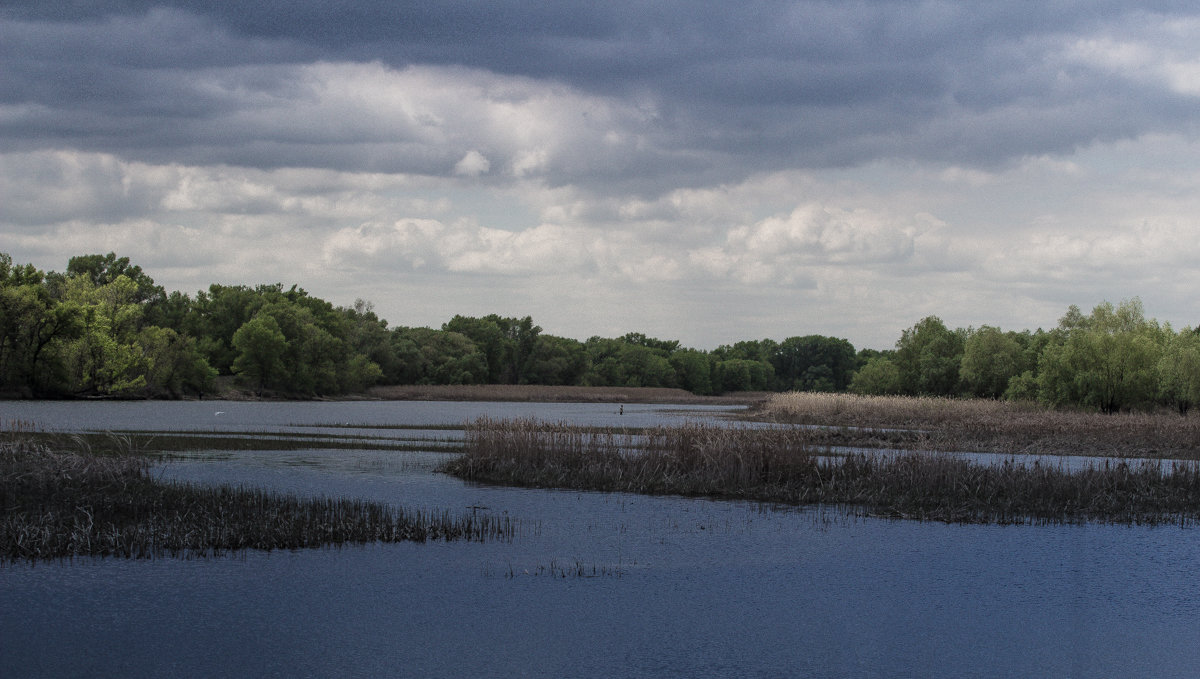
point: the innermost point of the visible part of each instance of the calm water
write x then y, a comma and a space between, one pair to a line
682, 588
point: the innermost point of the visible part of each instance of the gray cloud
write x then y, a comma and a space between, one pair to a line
858, 162
712, 90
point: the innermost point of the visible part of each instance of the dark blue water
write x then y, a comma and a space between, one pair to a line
682, 588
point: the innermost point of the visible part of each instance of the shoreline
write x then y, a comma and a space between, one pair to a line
517, 393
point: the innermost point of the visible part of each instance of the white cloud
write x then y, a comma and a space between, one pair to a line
472, 165
858, 254
1167, 52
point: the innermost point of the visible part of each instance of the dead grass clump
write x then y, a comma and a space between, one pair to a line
56, 504
779, 466
988, 426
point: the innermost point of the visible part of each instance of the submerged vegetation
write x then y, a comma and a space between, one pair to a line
780, 465
58, 504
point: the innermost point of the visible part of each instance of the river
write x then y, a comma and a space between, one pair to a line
594, 584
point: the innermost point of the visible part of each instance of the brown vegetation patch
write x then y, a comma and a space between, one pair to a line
779, 466
56, 504
983, 425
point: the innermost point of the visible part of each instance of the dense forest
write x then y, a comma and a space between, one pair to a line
104, 328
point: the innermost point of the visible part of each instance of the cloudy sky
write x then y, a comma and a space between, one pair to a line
702, 171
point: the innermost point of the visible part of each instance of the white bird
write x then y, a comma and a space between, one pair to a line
219, 412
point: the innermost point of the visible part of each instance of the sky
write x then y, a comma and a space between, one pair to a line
703, 171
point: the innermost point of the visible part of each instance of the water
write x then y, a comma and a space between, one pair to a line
681, 587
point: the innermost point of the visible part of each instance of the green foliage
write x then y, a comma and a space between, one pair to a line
506, 343
1023, 387
261, 346
173, 363
438, 357
813, 363
102, 270
556, 361
631, 361
739, 374
105, 328
693, 370
991, 358
31, 321
369, 339
1108, 360
928, 357
879, 377
1179, 370
103, 358
215, 316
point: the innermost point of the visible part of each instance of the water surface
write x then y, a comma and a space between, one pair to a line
670, 587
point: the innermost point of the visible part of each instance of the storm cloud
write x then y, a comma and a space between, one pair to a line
825, 167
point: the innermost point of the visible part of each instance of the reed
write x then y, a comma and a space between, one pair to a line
60, 504
780, 466
984, 425
141, 442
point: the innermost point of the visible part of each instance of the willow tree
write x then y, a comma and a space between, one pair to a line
1108, 360
1179, 370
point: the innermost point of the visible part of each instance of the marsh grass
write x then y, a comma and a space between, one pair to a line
58, 504
780, 466
983, 425
177, 441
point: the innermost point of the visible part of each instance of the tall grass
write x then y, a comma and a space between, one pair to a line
779, 466
61, 504
986, 425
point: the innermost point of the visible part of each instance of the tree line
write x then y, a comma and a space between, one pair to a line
1112, 359
104, 328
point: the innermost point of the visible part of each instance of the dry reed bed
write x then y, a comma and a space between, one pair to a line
56, 504
780, 466
985, 426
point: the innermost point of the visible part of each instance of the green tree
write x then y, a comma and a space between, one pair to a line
1179, 370
739, 374
693, 370
260, 346
879, 377
215, 316
991, 358
928, 356
556, 361
633, 360
506, 343
1108, 360
438, 357
748, 350
813, 363
368, 335
103, 358
31, 321
104, 269
174, 365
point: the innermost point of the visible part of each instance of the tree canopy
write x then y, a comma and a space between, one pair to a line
105, 328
